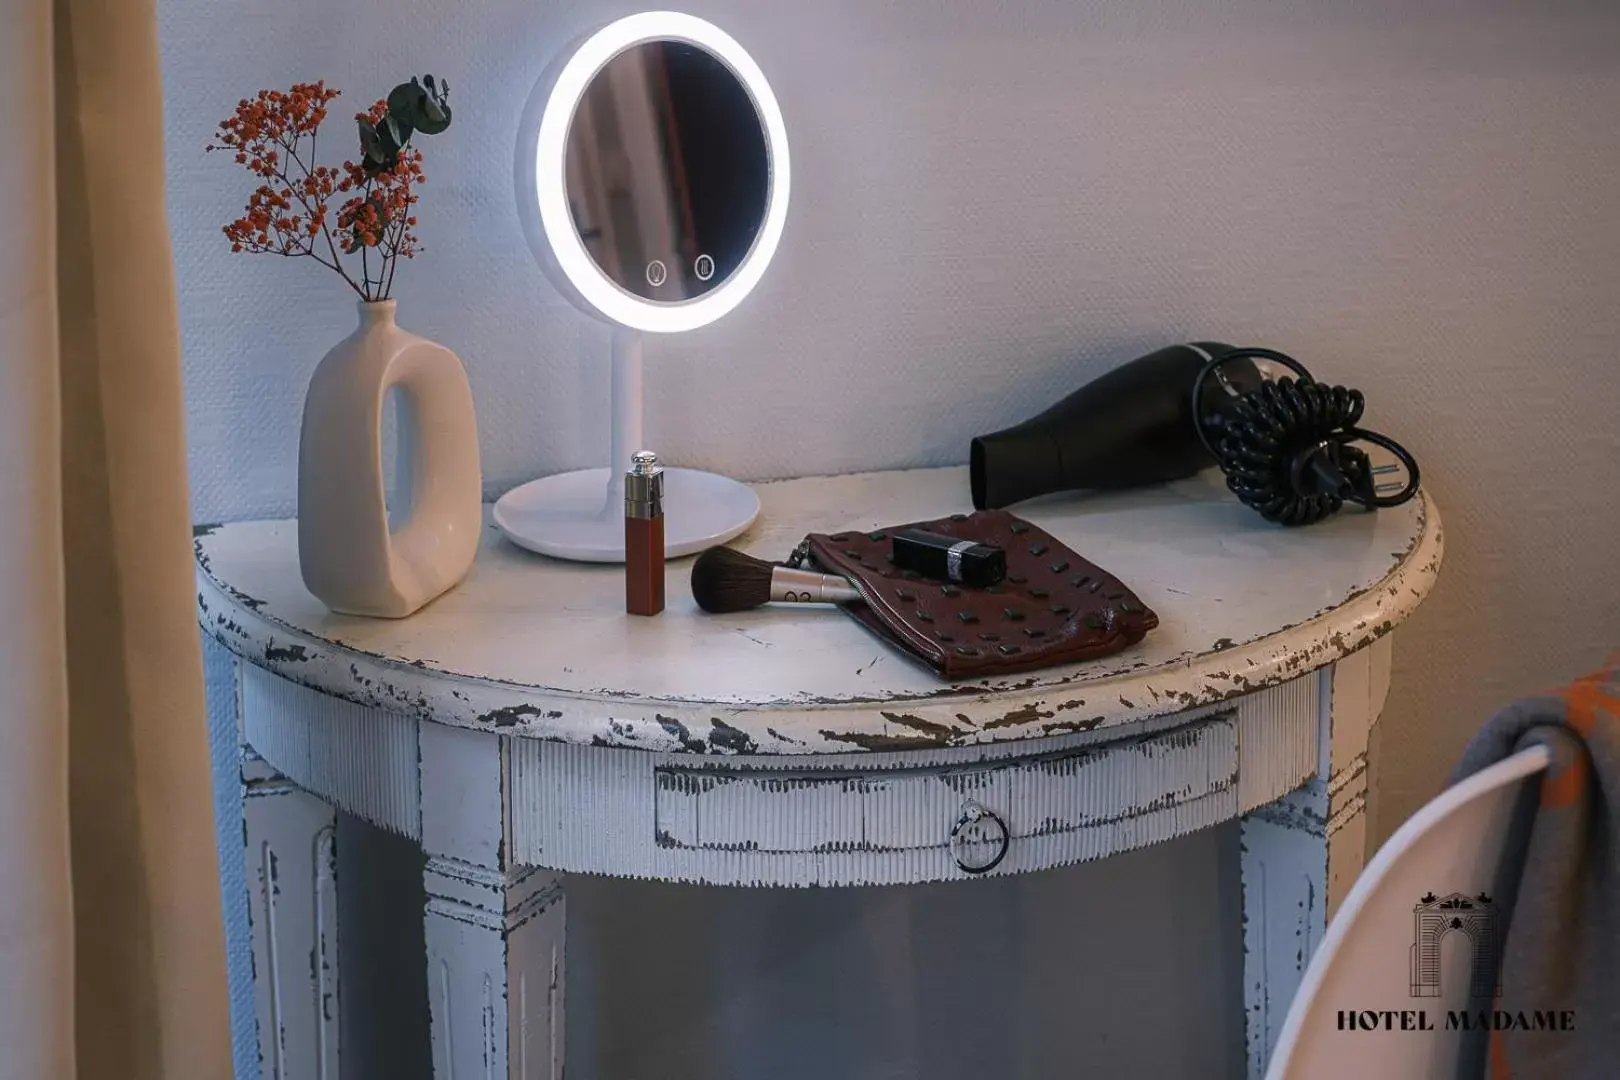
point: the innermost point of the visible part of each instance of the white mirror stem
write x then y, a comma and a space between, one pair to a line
627, 414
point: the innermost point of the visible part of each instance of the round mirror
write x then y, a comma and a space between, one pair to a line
661, 172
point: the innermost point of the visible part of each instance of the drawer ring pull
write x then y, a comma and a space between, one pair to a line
977, 814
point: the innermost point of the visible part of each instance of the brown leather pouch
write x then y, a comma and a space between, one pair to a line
1053, 608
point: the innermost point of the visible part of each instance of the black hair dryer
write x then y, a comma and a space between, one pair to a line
1285, 442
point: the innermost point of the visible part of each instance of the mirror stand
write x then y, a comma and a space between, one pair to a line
580, 515
652, 182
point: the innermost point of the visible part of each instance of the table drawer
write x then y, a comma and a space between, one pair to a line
814, 811
887, 817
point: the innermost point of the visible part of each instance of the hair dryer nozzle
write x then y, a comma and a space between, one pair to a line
1014, 464
1130, 427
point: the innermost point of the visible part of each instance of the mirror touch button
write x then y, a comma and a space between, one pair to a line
657, 273
703, 268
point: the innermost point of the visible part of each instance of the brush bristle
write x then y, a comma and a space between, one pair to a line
726, 580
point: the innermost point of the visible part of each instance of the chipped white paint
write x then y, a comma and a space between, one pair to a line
292, 904
522, 722
1302, 853
495, 973
289, 855
495, 929
361, 760
1242, 604
1360, 683
1277, 741
885, 818
1061, 806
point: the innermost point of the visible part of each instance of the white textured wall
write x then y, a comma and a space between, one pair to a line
993, 202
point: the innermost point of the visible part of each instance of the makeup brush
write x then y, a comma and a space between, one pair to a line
725, 580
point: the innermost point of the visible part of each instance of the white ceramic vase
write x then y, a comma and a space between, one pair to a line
350, 558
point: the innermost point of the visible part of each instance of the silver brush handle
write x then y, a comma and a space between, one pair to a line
809, 587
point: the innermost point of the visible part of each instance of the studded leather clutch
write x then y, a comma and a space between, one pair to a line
1053, 607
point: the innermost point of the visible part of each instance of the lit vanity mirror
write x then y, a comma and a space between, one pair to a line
653, 184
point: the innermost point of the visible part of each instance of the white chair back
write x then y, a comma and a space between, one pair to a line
1396, 980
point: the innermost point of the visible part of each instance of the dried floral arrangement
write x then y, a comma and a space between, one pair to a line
273, 136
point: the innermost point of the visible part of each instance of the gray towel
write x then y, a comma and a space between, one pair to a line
1561, 954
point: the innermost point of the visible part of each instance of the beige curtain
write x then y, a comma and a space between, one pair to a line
111, 949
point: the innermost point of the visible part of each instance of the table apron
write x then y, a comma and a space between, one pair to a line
854, 819
887, 819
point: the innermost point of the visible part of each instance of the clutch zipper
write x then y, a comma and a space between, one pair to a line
801, 555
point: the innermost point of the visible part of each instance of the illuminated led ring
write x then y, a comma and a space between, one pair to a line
597, 288
975, 812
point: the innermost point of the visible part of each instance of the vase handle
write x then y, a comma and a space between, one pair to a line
401, 493
432, 544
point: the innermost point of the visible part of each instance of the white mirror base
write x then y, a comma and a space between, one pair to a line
580, 515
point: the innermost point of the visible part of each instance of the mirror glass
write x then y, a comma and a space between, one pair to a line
668, 173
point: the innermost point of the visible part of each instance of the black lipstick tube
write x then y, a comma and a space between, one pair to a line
945, 558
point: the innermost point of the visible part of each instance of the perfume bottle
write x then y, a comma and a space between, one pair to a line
644, 535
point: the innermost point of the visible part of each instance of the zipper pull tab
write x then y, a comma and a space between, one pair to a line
800, 554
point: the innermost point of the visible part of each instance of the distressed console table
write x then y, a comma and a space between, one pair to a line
523, 727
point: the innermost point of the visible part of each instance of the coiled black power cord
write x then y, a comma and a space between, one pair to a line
1286, 446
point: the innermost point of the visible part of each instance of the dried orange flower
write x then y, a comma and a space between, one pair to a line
290, 213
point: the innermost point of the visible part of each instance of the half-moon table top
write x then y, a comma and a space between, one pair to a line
531, 647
